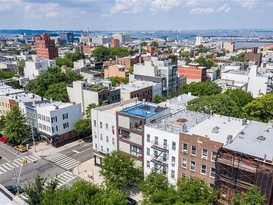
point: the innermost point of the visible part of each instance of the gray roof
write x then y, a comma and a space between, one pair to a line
255, 140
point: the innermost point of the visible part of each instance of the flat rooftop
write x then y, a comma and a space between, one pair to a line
256, 139
143, 110
136, 85
49, 106
217, 128
172, 123
23, 97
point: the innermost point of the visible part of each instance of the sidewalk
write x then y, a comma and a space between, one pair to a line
44, 149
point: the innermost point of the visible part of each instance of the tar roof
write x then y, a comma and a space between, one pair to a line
255, 140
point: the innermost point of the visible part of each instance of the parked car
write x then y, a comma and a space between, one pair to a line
131, 201
4, 139
13, 189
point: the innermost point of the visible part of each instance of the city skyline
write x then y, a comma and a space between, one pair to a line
136, 14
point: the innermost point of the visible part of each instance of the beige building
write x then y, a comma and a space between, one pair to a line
229, 46
116, 71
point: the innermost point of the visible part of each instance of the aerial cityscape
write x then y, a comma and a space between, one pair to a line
126, 102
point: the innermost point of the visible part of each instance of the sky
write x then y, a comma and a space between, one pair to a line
136, 14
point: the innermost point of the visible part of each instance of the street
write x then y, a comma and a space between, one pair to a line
57, 163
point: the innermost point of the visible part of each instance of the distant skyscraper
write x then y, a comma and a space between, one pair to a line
45, 47
68, 37
199, 40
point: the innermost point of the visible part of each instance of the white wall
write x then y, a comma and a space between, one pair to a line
105, 118
171, 153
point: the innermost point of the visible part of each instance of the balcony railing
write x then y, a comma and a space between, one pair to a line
158, 146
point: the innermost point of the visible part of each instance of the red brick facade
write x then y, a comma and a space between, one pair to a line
45, 47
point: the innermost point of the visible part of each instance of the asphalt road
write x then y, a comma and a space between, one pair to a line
59, 164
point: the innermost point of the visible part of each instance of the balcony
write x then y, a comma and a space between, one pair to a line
160, 147
158, 159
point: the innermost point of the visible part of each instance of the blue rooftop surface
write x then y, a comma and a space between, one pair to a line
142, 110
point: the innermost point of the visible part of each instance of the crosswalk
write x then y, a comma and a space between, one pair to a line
63, 179
63, 161
17, 163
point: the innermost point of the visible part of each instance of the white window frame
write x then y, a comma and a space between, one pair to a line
195, 150
192, 162
184, 160
201, 169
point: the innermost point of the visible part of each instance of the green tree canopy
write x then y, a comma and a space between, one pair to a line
238, 58
185, 54
118, 51
252, 196
20, 67
83, 127
5, 74
57, 92
221, 104
16, 128
154, 44
144, 43
202, 49
239, 96
119, 170
260, 109
195, 192
84, 193
68, 59
104, 54
159, 99
2, 122
88, 109
51, 76
115, 80
205, 62
200, 89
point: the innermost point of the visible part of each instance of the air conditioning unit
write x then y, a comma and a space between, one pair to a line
173, 163
184, 152
203, 157
165, 146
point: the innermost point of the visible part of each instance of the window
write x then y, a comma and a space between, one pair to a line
57, 128
101, 148
106, 126
172, 174
165, 143
148, 164
95, 123
204, 154
113, 130
135, 150
193, 150
65, 116
100, 124
164, 157
213, 156
203, 169
192, 167
164, 171
95, 134
212, 172
107, 150
101, 138
184, 162
173, 160
96, 146
52, 129
156, 153
107, 139
184, 147
113, 141
156, 140
173, 145
65, 125
148, 138
148, 151
183, 175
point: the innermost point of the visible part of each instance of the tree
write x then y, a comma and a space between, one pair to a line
36, 190
221, 104
144, 43
20, 67
101, 53
185, 54
200, 89
5, 74
83, 127
205, 62
201, 49
239, 96
63, 61
159, 99
16, 128
88, 109
260, 109
116, 80
2, 122
239, 58
72, 76
85, 193
154, 44
195, 192
119, 170
68, 59
252, 196
118, 51
57, 92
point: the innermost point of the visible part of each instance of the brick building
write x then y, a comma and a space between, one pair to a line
193, 72
254, 56
45, 47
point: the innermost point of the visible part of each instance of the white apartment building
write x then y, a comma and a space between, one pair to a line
199, 40
257, 79
123, 38
56, 120
104, 128
158, 67
36, 67
101, 40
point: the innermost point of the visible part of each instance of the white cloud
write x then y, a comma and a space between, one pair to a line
164, 5
249, 4
210, 10
127, 6
52, 14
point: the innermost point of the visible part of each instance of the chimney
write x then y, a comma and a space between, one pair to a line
229, 139
244, 121
183, 128
264, 157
